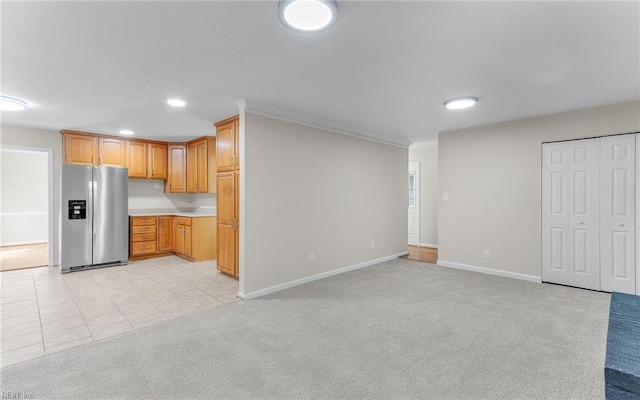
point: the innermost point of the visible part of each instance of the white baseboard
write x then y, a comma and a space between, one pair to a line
490, 271
433, 246
287, 285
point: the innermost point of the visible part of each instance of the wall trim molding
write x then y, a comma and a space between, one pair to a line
254, 107
297, 282
490, 271
433, 246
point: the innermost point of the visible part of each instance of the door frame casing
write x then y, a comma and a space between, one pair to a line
49, 152
637, 238
415, 166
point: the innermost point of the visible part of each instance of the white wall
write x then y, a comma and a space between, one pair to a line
149, 193
426, 153
492, 177
43, 139
24, 196
307, 189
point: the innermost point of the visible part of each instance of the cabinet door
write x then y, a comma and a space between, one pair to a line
177, 182
226, 146
226, 197
192, 167
157, 163
80, 149
227, 248
202, 166
175, 233
112, 152
180, 240
187, 240
137, 159
164, 234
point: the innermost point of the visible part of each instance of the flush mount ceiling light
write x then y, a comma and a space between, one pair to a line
126, 132
176, 102
308, 15
460, 102
12, 104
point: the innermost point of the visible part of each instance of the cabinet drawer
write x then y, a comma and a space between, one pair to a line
143, 229
143, 248
143, 221
183, 221
143, 237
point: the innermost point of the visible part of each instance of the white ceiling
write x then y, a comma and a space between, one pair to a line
383, 70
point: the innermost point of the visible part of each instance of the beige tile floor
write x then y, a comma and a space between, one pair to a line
43, 311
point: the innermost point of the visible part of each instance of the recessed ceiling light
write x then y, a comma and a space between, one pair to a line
12, 104
308, 15
126, 132
460, 103
176, 102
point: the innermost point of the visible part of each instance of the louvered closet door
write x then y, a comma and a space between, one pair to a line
570, 213
617, 213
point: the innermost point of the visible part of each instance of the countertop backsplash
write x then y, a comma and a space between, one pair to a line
147, 196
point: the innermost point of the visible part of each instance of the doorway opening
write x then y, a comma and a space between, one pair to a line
26, 207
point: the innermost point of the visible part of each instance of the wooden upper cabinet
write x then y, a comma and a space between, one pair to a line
227, 144
137, 158
146, 159
157, 161
192, 167
143, 158
177, 178
112, 152
79, 148
201, 165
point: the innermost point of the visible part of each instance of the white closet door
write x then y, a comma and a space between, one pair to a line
617, 213
570, 213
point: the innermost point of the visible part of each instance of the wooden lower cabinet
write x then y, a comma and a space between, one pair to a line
164, 234
179, 239
190, 238
195, 238
228, 221
143, 241
227, 249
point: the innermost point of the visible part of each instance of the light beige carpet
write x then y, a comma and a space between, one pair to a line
397, 330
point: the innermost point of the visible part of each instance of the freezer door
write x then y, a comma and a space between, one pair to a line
75, 216
110, 215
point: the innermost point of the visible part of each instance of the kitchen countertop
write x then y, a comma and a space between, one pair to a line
148, 212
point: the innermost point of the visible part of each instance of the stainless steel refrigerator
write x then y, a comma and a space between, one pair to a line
94, 217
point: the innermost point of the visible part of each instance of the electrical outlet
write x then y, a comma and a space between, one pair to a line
158, 185
485, 254
445, 196
373, 244
312, 256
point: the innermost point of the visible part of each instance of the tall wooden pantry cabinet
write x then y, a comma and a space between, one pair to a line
228, 177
